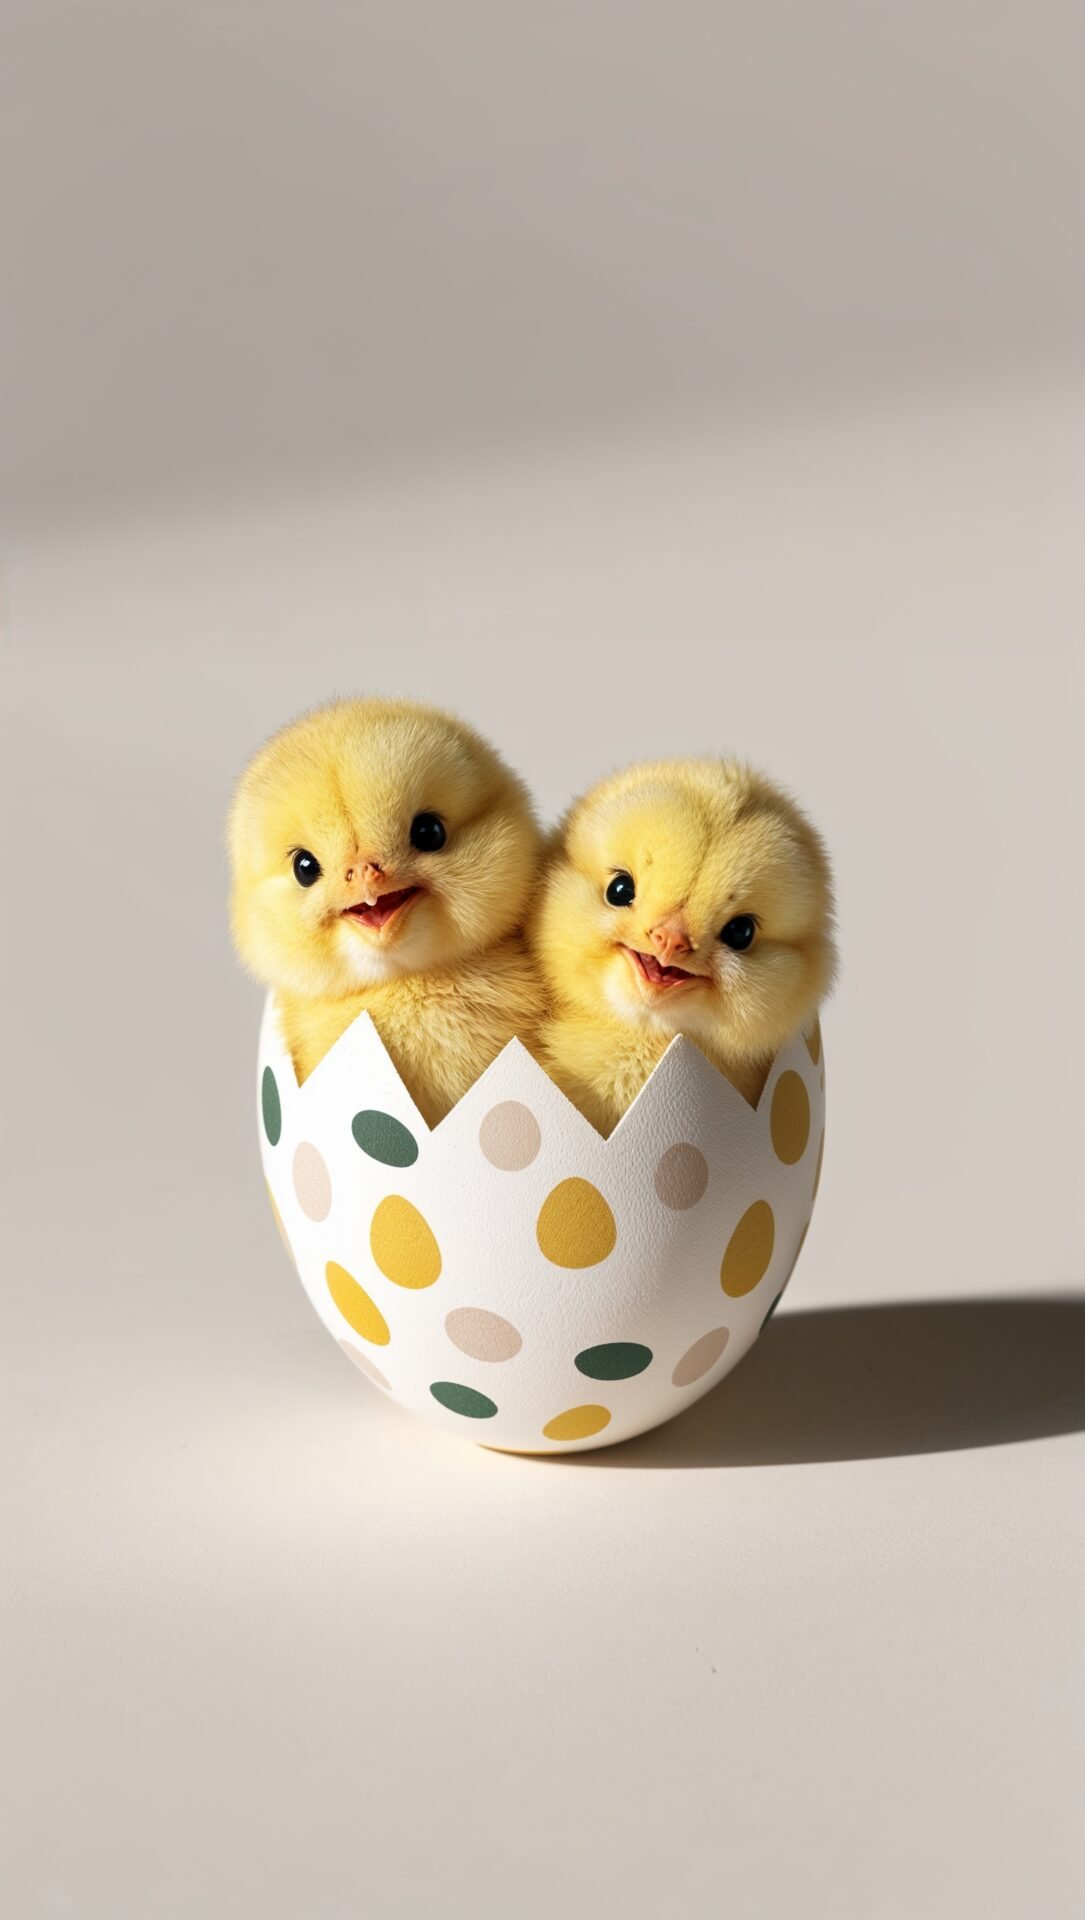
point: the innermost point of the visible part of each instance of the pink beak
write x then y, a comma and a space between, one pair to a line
670, 940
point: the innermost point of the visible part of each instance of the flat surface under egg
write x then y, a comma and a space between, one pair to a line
271, 1648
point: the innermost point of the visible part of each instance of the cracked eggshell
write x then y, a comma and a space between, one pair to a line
512, 1276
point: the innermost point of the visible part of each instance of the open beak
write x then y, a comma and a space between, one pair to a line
377, 914
654, 974
670, 940
660, 970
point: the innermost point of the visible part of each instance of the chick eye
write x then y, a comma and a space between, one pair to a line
739, 932
306, 868
428, 833
621, 892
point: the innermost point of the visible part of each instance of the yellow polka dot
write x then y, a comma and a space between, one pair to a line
357, 1309
749, 1251
575, 1226
817, 1169
403, 1245
579, 1423
813, 1042
790, 1120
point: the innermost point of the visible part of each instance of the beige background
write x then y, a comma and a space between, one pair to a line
634, 388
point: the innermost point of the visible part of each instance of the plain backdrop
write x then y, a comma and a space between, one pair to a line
633, 382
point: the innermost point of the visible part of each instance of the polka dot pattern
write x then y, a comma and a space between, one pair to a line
482, 1335
271, 1107
312, 1181
631, 1232
464, 1400
575, 1227
790, 1118
357, 1309
681, 1176
510, 1136
701, 1357
616, 1360
384, 1138
749, 1251
577, 1423
403, 1244
365, 1365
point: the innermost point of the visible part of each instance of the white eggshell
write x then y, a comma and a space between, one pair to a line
446, 1273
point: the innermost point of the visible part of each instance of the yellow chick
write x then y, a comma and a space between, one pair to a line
383, 856
685, 896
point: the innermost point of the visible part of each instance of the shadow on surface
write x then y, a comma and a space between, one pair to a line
868, 1383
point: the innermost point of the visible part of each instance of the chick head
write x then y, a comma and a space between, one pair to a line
372, 839
690, 896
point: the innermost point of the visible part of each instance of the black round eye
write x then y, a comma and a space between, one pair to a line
428, 833
306, 868
739, 932
621, 891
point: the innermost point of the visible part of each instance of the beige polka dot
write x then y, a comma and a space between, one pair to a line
312, 1182
681, 1176
483, 1335
813, 1042
575, 1227
817, 1169
701, 1357
790, 1119
749, 1251
579, 1423
509, 1136
365, 1365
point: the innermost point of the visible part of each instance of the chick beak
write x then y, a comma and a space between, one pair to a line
670, 939
380, 904
370, 873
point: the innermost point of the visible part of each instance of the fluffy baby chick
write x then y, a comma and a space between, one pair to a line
686, 896
383, 856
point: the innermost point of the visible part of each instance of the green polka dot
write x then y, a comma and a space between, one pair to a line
271, 1107
617, 1360
474, 1406
384, 1138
